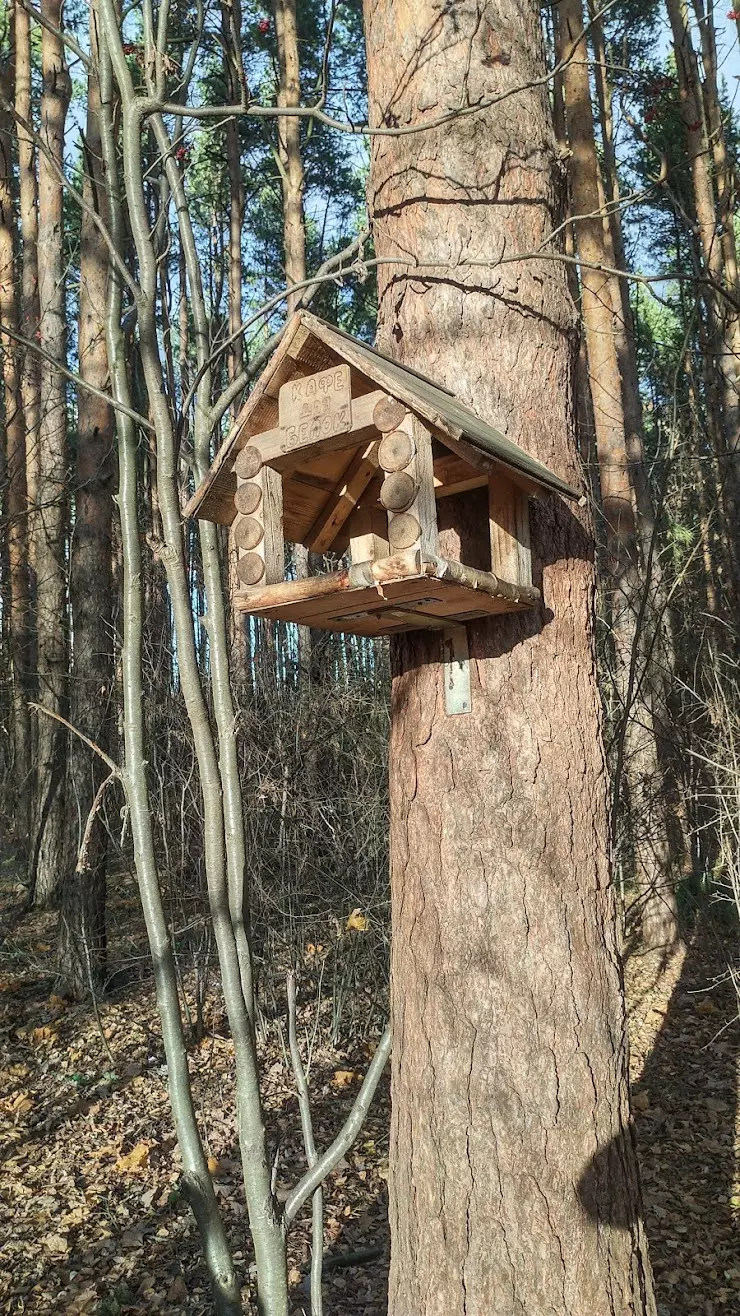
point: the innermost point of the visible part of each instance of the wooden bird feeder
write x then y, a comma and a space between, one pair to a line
346, 451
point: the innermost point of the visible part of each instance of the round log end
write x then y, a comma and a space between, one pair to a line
250, 569
403, 531
248, 532
247, 499
248, 462
398, 491
396, 450
388, 413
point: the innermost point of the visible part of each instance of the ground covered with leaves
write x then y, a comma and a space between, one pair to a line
91, 1216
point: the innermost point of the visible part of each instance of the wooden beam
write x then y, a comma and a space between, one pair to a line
343, 499
508, 517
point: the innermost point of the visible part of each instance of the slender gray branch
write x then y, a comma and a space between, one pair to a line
347, 1134
31, 346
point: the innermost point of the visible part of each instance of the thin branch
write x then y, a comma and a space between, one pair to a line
31, 346
304, 1105
56, 717
323, 274
64, 37
81, 864
38, 140
347, 1134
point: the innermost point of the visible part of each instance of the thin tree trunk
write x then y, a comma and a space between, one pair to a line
47, 851
15, 471
624, 529
82, 938
263, 1214
292, 178
721, 343
289, 146
198, 1183
231, 23
28, 198
513, 1179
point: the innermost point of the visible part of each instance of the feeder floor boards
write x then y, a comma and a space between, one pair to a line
407, 592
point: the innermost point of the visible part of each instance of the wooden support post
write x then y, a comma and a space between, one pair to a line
258, 529
414, 525
508, 516
368, 548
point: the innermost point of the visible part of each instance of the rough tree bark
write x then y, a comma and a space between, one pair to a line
631, 624
82, 940
289, 146
723, 348
15, 470
47, 849
292, 177
513, 1177
28, 202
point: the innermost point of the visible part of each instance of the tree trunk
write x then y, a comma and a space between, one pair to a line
28, 198
47, 853
289, 146
720, 329
15, 473
631, 614
513, 1177
294, 228
82, 941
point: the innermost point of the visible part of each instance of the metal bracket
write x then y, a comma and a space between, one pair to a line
456, 670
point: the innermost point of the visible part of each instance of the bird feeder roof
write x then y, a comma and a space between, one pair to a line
309, 345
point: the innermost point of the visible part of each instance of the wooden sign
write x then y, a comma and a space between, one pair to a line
315, 407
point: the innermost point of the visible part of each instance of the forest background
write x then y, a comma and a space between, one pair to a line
113, 648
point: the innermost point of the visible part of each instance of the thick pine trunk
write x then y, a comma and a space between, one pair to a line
627, 525
82, 940
47, 851
513, 1177
15, 472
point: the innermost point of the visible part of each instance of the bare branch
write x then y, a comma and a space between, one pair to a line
31, 346
304, 1105
56, 717
347, 1134
38, 140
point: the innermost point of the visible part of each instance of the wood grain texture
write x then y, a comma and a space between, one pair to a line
513, 1181
508, 516
398, 491
343, 499
388, 413
396, 450
248, 462
247, 498
261, 539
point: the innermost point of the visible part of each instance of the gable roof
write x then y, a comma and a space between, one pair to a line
310, 344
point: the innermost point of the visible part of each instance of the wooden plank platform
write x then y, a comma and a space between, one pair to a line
407, 592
